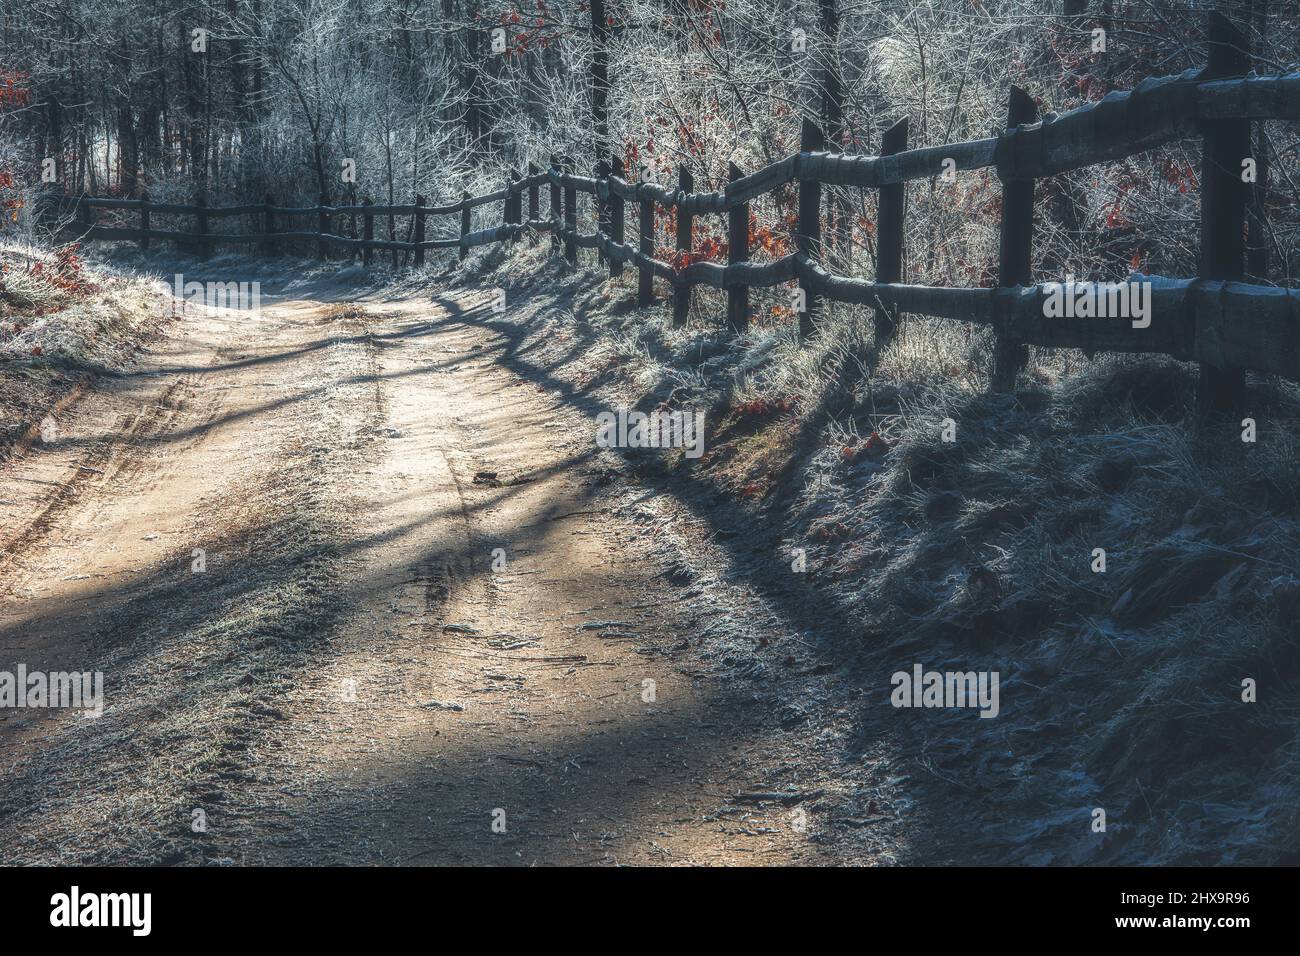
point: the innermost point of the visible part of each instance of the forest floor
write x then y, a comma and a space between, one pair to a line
275, 535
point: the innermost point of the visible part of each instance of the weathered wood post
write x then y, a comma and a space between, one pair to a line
808, 232
534, 205
520, 189
889, 233
58, 205
368, 225
1223, 205
1014, 242
465, 213
645, 289
1257, 237
685, 227
617, 216
268, 224
737, 252
85, 217
144, 221
836, 248
322, 228
352, 218
508, 213
570, 216
201, 220
46, 212
602, 208
1257, 251
419, 231
557, 207
1257, 257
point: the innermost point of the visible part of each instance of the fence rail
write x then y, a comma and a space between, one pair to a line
1214, 319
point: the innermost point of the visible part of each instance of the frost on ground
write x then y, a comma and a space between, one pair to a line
1121, 689
61, 323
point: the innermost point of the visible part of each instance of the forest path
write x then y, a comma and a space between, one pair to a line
347, 679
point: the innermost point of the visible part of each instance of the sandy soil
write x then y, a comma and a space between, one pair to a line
350, 679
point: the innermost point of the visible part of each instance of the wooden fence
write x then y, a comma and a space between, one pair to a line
1214, 319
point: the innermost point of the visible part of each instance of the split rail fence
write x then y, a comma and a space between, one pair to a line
1214, 319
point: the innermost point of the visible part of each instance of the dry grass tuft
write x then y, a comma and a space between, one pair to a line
61, 321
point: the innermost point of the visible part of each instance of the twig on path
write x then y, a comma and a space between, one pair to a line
575, 514
527, 761
761, 796
416, 856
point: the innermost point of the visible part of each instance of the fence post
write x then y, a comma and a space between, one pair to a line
520, 185
352, 218
737, 252
808, 232
465, 212
534, 205
45, 211
322, 228
268, 225
508, 217
419, 231
1257, 252
1014, 245
1257, 236
889, 233
645, 289
602, 208
201, 218
56, 209
617, 215
85, 218
368, 225
41, 211
144, 220
1223, 205
570, 216
685, 226
557, 208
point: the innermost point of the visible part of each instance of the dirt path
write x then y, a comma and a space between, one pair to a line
349, 679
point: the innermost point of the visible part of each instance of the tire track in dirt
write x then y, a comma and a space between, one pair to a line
140, 624
473, 691
356, 679
119, 457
